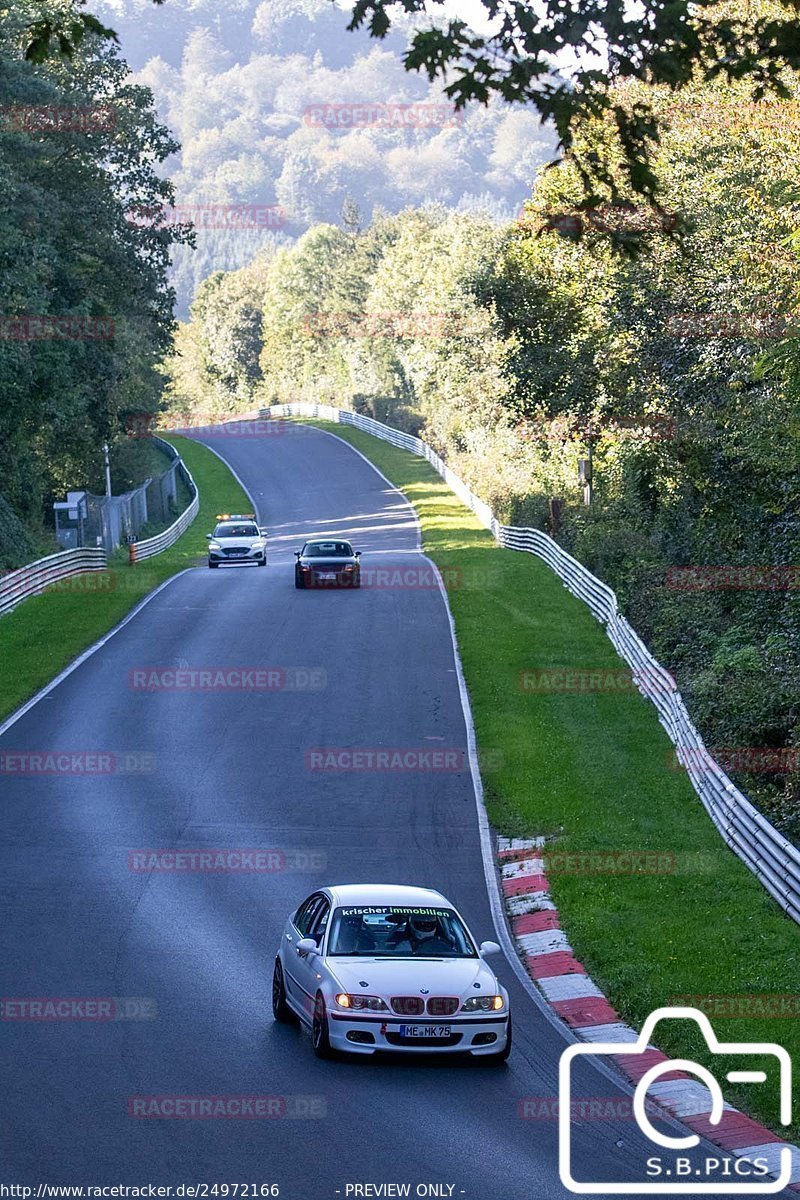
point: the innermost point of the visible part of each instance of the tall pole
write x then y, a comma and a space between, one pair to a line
589, 487
108, 468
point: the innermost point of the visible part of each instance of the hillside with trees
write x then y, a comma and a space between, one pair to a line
668, 349
264, 100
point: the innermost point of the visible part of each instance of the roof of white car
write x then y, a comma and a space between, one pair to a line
388, 893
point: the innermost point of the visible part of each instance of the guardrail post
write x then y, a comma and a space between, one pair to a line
131, 553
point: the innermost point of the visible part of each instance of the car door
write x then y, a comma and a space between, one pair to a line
308, 968
297, 977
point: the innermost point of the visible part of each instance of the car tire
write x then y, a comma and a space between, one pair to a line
262, 562
357, 580
280, 1008
213, 565
319, 1029
502, 1055
298, 580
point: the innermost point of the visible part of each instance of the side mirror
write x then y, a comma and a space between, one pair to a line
309, 946
357, 553
209, 536
262, 530
487, 948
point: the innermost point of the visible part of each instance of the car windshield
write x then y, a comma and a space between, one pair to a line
327, 550
399, 931
223, 531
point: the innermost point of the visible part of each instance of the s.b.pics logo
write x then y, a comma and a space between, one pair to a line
668, 1168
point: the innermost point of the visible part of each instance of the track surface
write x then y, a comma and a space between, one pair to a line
230, 771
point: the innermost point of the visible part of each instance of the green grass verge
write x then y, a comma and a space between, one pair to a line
42, 635
593, 769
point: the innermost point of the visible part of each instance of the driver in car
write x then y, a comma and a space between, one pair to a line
427, 937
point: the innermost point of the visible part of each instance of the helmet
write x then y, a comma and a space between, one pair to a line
423, 927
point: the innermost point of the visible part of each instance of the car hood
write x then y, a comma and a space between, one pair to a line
408, 977
237, 543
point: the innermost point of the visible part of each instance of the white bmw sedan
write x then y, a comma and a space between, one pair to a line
373, 967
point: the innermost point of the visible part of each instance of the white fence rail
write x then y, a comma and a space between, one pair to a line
38, 576
773, 859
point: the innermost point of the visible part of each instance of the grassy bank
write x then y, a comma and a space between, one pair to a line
45, 633
593, 770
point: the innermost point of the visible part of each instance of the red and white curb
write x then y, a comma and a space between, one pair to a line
579, 1002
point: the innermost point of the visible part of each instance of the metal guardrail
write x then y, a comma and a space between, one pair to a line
36, 577
771, 858
168, 537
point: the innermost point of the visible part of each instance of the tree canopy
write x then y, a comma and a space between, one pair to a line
87, 311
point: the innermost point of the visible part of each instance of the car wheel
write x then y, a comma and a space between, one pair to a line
357, 580
298, 580
213, 565
280, 1008
502, 1055
262, 562
319, 1029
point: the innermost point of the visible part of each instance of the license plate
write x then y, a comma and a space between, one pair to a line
238, 553
425, 1031
327, 574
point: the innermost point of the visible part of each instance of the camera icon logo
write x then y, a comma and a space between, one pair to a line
641, 1105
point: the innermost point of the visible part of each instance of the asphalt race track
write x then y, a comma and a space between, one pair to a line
229, 769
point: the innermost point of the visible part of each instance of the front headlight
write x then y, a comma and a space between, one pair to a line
359, 1003
482, 1004
214, 546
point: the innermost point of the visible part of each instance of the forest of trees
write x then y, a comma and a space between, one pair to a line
87, 312
239, 85
508, 348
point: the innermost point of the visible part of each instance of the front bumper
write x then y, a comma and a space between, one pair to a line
342, 579
220, 556
470, 1035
